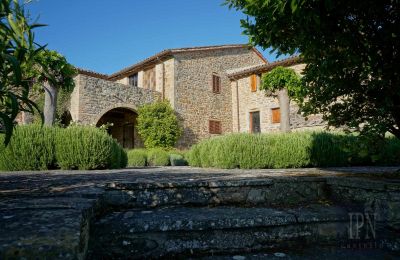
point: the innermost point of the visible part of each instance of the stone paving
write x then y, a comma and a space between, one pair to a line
48, 214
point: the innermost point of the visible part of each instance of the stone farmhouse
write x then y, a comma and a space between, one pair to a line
214, 90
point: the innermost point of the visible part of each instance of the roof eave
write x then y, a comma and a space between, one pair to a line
266, 67
169, 53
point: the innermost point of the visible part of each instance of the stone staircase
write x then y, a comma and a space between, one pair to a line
208, 218
192, 213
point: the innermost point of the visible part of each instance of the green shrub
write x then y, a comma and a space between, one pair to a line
124, 157
158, 125
87, 148
137, 158
158, 157
119, 157
292, 150
177, 160
390, 154
31, 148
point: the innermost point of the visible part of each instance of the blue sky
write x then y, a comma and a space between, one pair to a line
108, 35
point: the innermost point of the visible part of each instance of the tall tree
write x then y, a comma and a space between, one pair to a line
351, 49
285, 84
17, 50
52, 72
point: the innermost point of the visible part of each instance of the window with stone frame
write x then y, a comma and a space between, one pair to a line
214, 127
216, 83
133, 80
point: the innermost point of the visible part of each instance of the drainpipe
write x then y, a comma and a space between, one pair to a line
237, 105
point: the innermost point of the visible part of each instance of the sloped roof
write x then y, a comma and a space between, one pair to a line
170, 52
258, 69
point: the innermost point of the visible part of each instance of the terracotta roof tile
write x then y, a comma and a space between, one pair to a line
238, 74
91, 73
169, 52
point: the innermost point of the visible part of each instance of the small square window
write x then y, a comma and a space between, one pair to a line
216, 83
214, 127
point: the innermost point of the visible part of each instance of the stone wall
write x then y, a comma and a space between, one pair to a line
194, 99
93, 97
169, 81
149, 78
245, 101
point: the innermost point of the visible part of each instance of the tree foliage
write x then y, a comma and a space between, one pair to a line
17, 51
351, 49
53, 74
158, 125
52, 67
281, 77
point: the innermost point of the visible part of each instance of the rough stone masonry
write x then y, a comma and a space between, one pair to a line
205, 85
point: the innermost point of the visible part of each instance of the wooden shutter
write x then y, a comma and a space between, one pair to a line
276, 115
253, 83
214, 127
216, 84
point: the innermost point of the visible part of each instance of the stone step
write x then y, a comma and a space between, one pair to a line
315, 253
172, 231
270, 192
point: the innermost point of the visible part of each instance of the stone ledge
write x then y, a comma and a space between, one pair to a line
190, 219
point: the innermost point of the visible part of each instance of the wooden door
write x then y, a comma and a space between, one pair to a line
128, 136
255, 126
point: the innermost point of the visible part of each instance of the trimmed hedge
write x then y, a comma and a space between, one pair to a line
292, 150
31, 148
34, 147
83, 147
158, 157
137, 158
177, 160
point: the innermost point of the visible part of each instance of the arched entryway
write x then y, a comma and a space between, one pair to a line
123, 127
66, 119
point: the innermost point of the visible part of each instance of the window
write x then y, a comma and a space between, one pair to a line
216, 83
255, 122
253, 83
214, 127
133, 80
276, 115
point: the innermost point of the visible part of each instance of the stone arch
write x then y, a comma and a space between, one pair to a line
123, 128
131, 107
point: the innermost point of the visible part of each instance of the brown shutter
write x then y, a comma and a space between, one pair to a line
214, 127
253, 83
276, 115
216, 83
